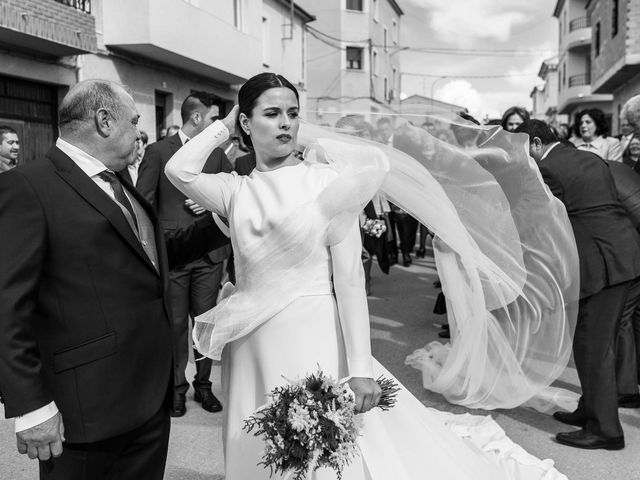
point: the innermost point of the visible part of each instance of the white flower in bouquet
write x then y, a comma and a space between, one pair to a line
311, 424
374, 227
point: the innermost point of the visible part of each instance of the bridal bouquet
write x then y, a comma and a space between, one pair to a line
374, 227
310, 424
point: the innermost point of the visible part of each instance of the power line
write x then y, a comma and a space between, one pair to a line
499, 52
507, 75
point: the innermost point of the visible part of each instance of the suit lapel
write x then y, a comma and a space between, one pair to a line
174, 144
87, 189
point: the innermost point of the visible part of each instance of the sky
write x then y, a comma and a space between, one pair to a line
519, 35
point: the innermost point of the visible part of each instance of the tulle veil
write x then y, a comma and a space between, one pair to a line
504, 250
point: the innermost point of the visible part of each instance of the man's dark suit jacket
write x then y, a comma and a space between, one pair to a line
608, 245
84, 315
627, 182
168, 201
245, 164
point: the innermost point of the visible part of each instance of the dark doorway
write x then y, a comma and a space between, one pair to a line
31, 109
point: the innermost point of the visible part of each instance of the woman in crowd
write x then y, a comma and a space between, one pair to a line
299, 300
593, 130
513, 118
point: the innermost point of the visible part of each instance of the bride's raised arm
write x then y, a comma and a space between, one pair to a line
184, 169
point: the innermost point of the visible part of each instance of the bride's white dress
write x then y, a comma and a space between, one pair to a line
324, 323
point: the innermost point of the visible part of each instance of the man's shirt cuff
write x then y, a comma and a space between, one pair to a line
31, 419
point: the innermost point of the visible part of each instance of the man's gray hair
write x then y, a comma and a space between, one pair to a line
84, 99
631, 112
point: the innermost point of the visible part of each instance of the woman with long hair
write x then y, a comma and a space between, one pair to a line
299, 300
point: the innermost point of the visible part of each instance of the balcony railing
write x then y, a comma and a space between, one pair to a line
578, 23
580, 80
82, 5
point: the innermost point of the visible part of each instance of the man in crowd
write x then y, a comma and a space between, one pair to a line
609, 252
194, 287
9, 148
625, 137
130, 174
85, 336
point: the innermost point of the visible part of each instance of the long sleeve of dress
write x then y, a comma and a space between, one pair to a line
348, 281
184, 170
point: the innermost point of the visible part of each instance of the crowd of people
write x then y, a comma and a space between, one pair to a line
105, 200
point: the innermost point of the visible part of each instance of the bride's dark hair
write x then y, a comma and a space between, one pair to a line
251, 91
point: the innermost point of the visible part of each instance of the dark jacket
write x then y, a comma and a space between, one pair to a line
608, 245
84, 315
627, 182
167, 200
245, 164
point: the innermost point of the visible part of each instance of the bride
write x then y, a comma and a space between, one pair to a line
299, 301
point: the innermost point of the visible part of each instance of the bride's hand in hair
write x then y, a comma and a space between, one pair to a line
230, 121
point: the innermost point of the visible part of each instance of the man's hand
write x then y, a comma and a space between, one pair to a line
367, 393
42, 441
194, 207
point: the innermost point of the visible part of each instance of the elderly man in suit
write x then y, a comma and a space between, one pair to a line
609, 252
194, 287
85, 336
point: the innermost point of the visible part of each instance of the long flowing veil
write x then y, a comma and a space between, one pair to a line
504, 250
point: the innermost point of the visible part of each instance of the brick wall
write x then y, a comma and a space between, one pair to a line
620, 96
632, 26
50, 20
612, 49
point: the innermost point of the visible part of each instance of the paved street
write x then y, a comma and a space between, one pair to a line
401, 321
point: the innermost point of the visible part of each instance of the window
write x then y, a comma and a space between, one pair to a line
354, 5
376, 11
237, 14
354, 58
614, 18
386, 39
394, 32
386, 89
374, 61
265, 42
560, 31
596, 40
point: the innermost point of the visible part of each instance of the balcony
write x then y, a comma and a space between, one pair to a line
578, 92
578, 23
81, 5
210, 47
579, 36
50, 29
579, 80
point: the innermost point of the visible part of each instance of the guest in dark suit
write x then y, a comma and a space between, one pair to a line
85, 336
609, 252
194, 287
627, 352
245, 164
130, 174
625, 137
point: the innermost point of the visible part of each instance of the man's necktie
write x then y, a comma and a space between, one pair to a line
118, 192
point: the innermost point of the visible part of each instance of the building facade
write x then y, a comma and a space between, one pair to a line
574, 62
353, 63
615, 63
46, 46
545, 97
